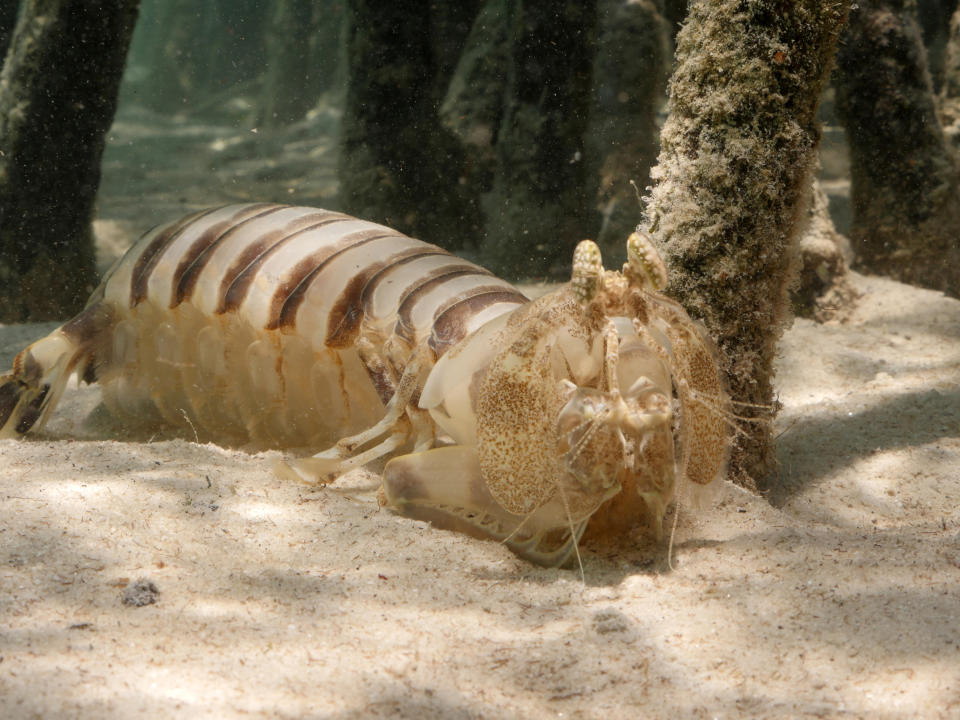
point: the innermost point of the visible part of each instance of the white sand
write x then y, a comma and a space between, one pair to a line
837, 597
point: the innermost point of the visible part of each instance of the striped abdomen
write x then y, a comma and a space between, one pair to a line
250, 320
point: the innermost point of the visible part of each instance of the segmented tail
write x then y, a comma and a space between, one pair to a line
41, 371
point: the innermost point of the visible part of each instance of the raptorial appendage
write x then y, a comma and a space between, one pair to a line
527, 422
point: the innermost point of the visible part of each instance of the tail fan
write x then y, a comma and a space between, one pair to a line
41, 371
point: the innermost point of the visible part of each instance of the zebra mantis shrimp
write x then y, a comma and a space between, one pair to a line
290, 327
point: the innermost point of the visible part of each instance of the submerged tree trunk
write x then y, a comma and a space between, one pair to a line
733, 182
290, 85
905, 190
472, 107
303, 48
950, 90
57, 100
398, 164
630, 75
450, 25
8, 19
823, 291
196, 54
542, 200
934, 19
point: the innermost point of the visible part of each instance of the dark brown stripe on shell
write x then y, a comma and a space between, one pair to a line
450, 323
151, 254
84, 328
403, 327
423, 251
290, 293
239, 278
428, 281
196, 258
343, 321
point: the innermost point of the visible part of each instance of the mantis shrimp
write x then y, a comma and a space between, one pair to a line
298, 328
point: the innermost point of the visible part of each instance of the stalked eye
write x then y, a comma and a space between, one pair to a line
644, 264
587, 277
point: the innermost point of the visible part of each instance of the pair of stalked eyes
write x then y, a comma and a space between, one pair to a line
644, 266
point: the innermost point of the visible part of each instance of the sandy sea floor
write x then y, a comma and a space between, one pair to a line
836, 596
